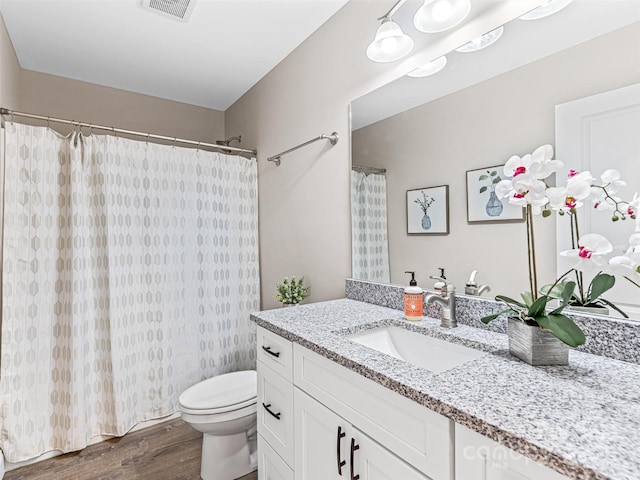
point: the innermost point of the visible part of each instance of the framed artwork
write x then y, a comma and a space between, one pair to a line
428, 211
483, 206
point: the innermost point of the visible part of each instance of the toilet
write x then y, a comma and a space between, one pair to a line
223, 408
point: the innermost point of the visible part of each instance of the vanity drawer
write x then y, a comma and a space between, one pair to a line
275, 352
275, 411
270, 465
422, 438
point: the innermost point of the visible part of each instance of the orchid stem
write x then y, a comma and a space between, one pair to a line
531, 250
635, 283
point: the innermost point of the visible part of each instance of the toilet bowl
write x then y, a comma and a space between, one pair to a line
223, 408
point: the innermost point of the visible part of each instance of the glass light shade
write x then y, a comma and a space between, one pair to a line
390, 43
440, 15
546, 9
482, 41
429, 68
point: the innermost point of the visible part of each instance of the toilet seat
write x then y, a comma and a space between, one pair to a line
225, 393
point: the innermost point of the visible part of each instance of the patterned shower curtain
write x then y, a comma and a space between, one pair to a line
128, 274
369, 247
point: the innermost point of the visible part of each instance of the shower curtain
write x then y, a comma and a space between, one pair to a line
369, 247
128, 273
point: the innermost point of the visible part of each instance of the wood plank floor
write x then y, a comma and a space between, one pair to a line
168, 451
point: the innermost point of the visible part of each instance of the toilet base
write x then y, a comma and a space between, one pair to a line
227, 457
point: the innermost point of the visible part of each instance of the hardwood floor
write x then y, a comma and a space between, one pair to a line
168, 451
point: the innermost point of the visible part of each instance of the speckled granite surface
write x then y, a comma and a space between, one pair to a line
583, 419
611, 337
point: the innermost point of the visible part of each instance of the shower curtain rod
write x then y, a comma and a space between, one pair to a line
225, 149
333, 138
362, 168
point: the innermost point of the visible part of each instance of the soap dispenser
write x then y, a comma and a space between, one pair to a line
413, 300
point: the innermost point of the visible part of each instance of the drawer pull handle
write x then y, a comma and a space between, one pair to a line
341, 463
275, 415
270, 352
354, 447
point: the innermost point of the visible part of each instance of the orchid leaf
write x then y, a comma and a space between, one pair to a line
599, 285
537, 308
555, 292
509, 301
528, 298
493, 316
567, 293
603, 300
563, 328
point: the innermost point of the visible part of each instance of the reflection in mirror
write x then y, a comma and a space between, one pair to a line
481, 109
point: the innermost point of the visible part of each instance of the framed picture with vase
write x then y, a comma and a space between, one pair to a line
428, 211
483, 205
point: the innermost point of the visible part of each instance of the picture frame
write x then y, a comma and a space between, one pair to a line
428, 211
483, 205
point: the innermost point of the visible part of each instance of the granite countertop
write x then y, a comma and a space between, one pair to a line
582, 420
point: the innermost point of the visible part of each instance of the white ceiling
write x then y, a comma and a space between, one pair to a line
522, 42
224, 48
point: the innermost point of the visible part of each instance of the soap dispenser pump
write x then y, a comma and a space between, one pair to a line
413, 300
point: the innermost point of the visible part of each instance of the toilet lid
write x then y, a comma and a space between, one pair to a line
228, 390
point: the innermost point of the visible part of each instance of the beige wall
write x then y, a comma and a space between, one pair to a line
305, 203
87, 102
33, 92
483, 126
9, 70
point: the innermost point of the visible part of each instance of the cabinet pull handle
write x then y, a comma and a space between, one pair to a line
270, 352
354, 447
276, 415
341, 463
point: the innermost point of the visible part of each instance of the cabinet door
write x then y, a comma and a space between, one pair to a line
320, 439
371, 461
270, 465
479, 458
275, 412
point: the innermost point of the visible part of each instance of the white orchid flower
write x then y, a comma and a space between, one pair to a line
591, 252
542, 164
524, 189
611, 179
579, 185
517, 166
627, 265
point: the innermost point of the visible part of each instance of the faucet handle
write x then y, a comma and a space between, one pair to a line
447, 287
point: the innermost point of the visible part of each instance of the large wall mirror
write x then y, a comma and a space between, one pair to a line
482, 108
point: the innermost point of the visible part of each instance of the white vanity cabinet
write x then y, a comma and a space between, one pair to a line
478, 457
318, 420
330, 448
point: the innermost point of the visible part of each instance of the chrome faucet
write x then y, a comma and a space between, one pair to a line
447, 300
472, 288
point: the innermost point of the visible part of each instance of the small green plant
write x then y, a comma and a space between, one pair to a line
492, 177
291, 291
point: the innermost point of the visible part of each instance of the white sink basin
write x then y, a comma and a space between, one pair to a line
420, 350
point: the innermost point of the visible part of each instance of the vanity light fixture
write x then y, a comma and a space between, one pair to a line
546, 9
483, 41
390, 42
440, 15
429, 68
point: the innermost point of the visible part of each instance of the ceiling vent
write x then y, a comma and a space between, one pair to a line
176, 9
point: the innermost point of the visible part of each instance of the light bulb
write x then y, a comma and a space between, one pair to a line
546, 9
388, 45
482, 41
440, 15
442, 10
